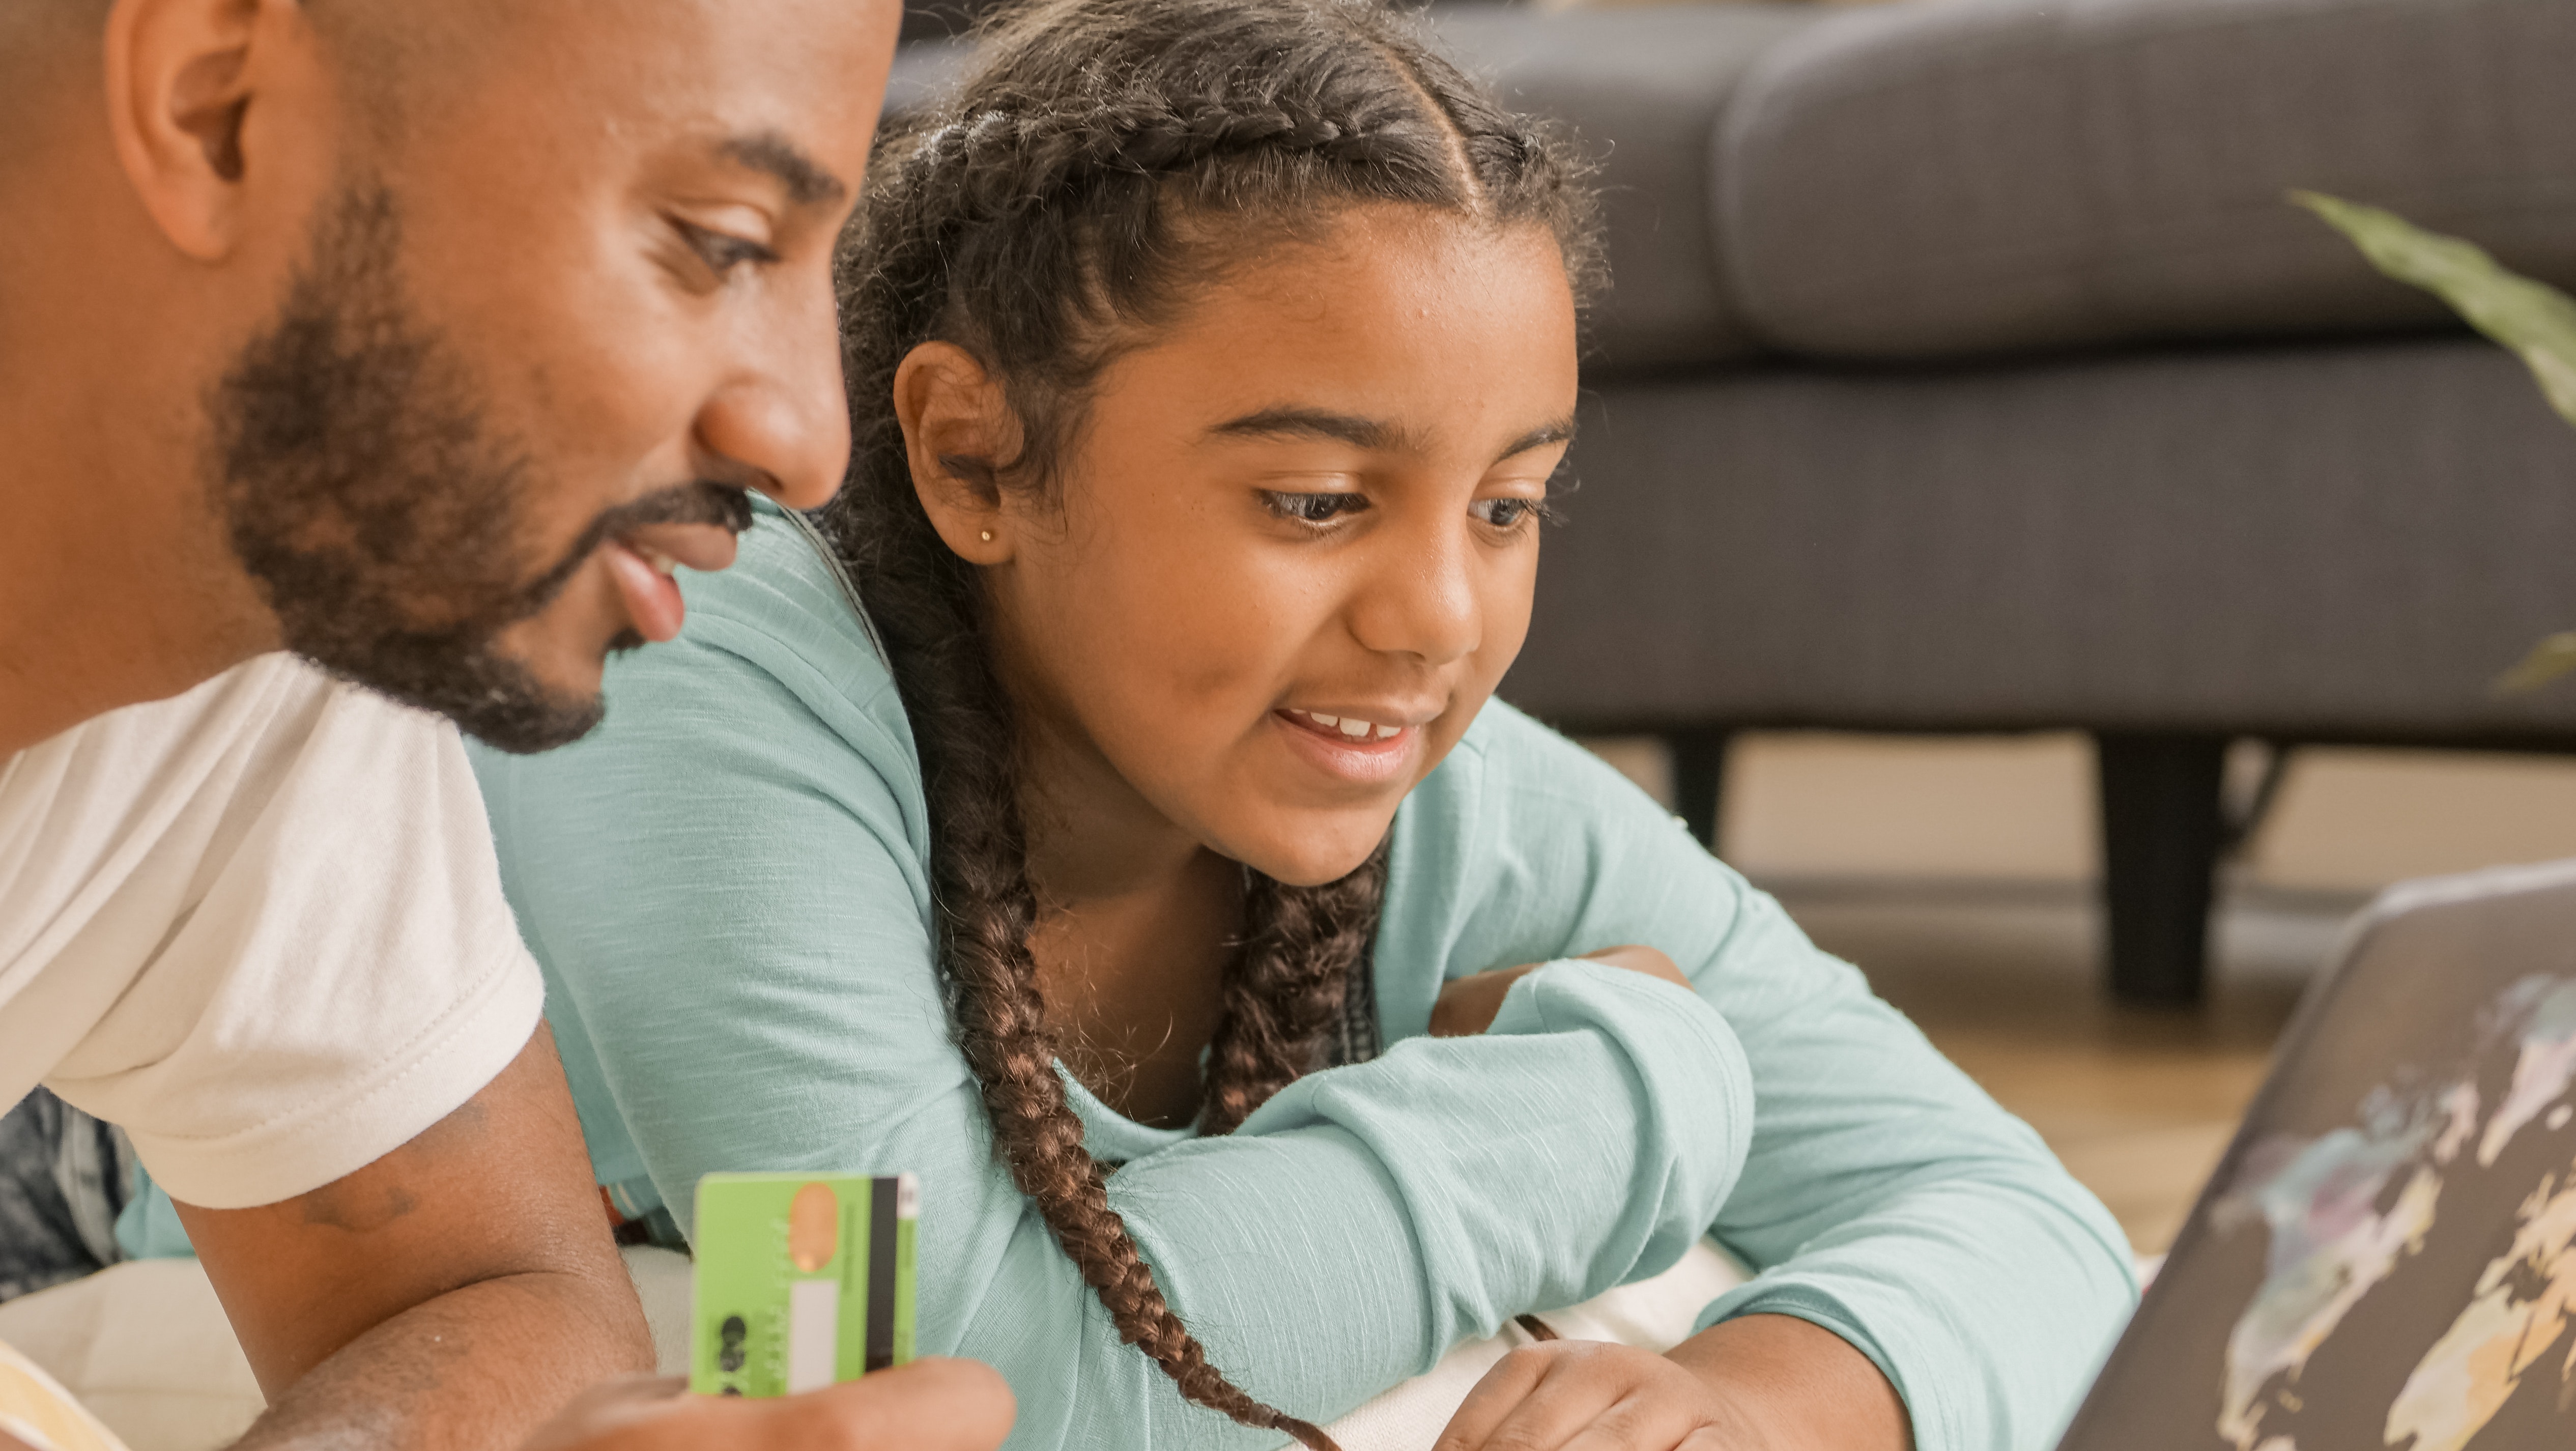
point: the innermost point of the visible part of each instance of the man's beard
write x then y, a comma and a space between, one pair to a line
385, 524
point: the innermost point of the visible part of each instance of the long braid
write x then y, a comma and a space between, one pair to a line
1037, 220
1284, 988
923, 603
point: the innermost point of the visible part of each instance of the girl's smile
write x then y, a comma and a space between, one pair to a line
1367, 750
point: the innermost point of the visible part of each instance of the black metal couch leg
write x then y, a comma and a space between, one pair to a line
2162, 830
1699, 778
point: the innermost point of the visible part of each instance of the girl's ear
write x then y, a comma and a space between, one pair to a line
957, 425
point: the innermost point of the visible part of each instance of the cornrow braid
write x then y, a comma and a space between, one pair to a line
1133, 136
1103, 158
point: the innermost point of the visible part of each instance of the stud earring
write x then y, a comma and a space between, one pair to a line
986, 536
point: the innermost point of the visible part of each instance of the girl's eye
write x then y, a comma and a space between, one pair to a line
723, 252
1312, 508
1507, 514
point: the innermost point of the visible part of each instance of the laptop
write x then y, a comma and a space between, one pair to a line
2386, 1256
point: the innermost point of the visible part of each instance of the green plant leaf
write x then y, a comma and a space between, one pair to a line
2537, 321
2547, 661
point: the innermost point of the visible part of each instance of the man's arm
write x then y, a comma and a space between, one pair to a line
463, 1292
456, 1292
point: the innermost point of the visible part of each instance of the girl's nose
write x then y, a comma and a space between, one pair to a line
1420, 599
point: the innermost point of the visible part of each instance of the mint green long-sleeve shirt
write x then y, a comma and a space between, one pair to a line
728, 888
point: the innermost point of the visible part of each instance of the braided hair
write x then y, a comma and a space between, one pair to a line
1104, 158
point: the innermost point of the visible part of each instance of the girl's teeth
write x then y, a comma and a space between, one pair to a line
1351, 727
663, 564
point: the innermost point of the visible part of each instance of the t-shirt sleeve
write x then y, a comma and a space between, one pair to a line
1885, 1196
726, 888
343, 972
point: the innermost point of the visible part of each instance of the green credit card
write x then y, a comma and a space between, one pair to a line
803, 1280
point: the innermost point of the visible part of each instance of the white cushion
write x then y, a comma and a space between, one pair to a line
147, 1348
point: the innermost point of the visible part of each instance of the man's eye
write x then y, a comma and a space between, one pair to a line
1312, 508
1508, 513
723, 252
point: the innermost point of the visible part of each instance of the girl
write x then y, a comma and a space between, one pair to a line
1119, 754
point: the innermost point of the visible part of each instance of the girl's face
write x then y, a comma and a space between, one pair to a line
1294, 542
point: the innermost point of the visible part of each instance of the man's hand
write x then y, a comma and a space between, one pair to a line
929, 1405
1761, 1383
455, 1293
1467, 1005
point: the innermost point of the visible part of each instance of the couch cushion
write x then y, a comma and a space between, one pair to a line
1642, 89
1976, 176
2326, 541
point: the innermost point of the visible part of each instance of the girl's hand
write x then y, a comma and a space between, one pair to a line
1467, 1005
1595, 1396
1761, 1383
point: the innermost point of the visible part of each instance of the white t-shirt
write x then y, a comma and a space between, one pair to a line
260, 926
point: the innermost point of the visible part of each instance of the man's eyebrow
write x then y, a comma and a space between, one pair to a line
1368, 433
1561, 431
808, 184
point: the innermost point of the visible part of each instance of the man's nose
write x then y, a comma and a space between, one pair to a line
784, 421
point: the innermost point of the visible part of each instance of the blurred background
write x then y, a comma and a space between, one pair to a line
2008, 529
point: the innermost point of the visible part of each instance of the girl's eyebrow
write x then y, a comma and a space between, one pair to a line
1561, 431
1368, 433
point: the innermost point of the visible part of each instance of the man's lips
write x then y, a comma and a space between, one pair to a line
707, 547
641, 560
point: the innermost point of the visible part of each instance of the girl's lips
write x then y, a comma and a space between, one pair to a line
1367, 758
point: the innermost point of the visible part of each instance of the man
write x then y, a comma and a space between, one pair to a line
424, 341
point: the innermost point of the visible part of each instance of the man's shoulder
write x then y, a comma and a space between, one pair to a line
235, 918
223, 737
247, 698
141, 787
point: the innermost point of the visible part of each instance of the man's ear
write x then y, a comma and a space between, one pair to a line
182, 79
957, 431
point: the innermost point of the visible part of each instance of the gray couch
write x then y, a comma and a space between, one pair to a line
1965, 371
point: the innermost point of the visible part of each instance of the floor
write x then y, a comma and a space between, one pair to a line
2138, 1104
1960, 875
